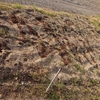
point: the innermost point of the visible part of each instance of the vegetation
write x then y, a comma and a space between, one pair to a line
18, 6
71, 89
49, 12
8, 6
78, 67
95, 21
3, 30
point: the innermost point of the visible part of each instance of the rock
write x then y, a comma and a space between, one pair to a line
1, 95
16, 11
39, 18
98, 31
29, 10
0, 12
4, 17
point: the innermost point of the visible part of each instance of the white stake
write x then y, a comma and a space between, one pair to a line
53, 79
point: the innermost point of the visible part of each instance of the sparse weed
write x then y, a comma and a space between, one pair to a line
17, 86
50, 12
95, 21
4, 6
79, 68
3, 31
94, 82
53, 95
60, 86
99, 58
9, 6
35, 75
18, 6
97, 98
98, 73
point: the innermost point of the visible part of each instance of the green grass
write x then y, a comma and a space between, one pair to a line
52, 95
3, 31
95, 82
79, 67
98, 16
9, 6
18, 6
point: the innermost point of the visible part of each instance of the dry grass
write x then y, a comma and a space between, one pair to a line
50, 12
95, 20
71, 90
9, 6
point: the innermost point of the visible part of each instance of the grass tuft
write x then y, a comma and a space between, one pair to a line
95, 21
18, 6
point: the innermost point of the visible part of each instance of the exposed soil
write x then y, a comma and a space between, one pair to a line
87, 7
34, 46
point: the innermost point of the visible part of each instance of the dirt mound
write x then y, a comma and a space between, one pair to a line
34, 46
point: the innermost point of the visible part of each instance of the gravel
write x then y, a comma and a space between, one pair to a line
87, 7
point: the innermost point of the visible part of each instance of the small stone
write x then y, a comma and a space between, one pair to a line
16, 11
22, 83
1, 95
30, 10
25, 59
45, 17
39, 18
0, 12
16, 78
98, 31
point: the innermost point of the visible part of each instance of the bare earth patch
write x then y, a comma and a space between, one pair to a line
33, 46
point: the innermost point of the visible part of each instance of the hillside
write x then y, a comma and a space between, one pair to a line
34, 45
